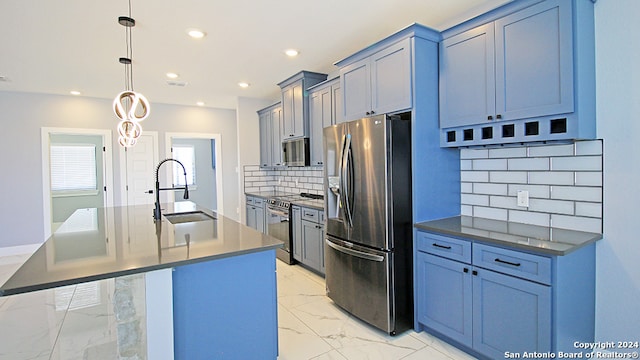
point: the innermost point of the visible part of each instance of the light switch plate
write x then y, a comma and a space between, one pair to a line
523, 198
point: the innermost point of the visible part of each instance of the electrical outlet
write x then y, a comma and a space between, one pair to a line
523, 198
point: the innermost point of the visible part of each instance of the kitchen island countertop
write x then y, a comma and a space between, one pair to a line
101, 243
533, 238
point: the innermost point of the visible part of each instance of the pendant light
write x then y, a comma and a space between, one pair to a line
130, 107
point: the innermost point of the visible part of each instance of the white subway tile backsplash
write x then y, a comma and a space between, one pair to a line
466, 165
552, 206
589, 209
564, 184
508, 177
529, 164
577, 193
490, 164
466, 210
577, 163
529, 217
504, 202
551, 150
577, 223
473, 199
535, 191
474, 153
588, 178
490, 189
474, 176
551, 178
490, 213
593, 147
508, 152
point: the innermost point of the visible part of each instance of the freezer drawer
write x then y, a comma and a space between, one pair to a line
358, 280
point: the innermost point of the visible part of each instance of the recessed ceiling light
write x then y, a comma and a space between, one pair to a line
291, 52
172, 75
75, 92
200, 103
243, 84
196, 34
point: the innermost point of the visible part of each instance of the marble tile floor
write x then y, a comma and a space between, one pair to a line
81, 322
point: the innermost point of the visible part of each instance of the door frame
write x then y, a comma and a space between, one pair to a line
124, 175
45, 133
218, 161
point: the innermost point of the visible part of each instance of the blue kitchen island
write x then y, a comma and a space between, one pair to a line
210, 282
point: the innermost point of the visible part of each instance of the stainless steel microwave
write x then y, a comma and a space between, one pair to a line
296, 152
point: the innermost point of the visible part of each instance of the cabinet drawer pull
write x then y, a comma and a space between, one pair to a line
506, 262
441, 246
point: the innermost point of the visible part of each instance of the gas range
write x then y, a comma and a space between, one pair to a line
282, 203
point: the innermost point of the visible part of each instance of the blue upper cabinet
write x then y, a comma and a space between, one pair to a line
523, 72
325, 109
467, 73
379, 83
295, 103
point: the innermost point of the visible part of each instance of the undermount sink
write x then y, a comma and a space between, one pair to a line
185, 217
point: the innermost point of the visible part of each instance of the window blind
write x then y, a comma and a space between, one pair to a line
186, 155
73, 167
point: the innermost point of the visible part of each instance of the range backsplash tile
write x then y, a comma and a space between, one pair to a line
294, 180
564, 182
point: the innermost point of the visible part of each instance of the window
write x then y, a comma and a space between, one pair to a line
73, 168
186, 155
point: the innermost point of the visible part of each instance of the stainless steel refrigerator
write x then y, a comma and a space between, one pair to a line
368, 245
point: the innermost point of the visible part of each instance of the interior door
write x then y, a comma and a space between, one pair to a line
141, 161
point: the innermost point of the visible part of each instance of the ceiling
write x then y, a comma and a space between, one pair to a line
56, 46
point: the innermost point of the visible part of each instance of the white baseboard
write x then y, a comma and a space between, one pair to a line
19, 250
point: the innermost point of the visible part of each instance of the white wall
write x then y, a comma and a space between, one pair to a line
24, 114
618, 118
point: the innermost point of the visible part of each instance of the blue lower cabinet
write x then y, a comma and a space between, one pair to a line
510, 315
226, 308
444, 297
500, 301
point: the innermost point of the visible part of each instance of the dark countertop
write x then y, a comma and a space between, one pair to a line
95, 244
538, 239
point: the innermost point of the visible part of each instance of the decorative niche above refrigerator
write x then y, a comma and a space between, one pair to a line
524, 72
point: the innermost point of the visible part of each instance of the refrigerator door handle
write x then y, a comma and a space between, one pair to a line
346, 191
356, 253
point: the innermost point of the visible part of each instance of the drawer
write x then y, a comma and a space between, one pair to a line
527, 266
259, 202
311, 215
251, 200
450, 248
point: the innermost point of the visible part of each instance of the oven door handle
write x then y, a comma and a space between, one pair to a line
279, 213
356, 253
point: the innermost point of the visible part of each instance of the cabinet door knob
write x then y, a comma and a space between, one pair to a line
474, 272
372, 112
368, 113
498, 116
489, 117
465, 270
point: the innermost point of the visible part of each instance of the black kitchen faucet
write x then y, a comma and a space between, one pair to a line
156, 212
